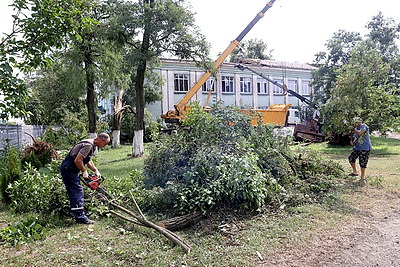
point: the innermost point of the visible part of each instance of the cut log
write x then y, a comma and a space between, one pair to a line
181, 222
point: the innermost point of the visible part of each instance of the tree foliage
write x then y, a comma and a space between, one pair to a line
220, 160
46, 87
253, 48
357, 84
384, 32
339, 48
39, 27
362, 90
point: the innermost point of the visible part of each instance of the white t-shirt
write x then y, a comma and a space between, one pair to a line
316, 115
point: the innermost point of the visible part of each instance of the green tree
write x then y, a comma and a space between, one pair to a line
339, 48
362, 89
384, 32
39, 27
165, 27
253, 48
90, 50
51, 97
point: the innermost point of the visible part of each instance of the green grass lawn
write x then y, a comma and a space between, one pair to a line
118, 162
224, 241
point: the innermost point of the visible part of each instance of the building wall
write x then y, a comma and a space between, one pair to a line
295, 75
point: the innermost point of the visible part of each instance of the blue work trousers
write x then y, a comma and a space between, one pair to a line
69, 173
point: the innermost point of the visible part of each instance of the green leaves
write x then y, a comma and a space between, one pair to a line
253, 48
220, 160
362, 89
46, 189
359, 76
40, 26
22, 232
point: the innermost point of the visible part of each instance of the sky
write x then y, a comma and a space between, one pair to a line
294, 29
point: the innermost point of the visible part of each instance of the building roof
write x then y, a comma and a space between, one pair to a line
256, 63
275, 64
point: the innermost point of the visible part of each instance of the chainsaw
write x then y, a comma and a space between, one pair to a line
93, 182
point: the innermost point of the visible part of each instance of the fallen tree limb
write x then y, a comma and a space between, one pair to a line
142, 221
124, 217
170, 235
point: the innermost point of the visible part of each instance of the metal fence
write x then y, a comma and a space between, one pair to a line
19, 135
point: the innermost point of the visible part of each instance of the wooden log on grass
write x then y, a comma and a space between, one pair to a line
181, 222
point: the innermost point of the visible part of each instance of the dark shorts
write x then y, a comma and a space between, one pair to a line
362, 155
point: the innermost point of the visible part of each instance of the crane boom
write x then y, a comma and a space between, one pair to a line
181, 107
284, 87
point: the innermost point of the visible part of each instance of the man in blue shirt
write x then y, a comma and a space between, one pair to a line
362, 147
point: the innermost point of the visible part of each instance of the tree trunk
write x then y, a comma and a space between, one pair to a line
118, 110
90, 93
138, 147
116, 139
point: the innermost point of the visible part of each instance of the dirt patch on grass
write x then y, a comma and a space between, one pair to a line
369, 237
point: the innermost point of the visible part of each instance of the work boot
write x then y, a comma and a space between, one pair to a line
84, 221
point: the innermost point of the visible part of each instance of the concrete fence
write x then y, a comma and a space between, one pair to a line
18, 135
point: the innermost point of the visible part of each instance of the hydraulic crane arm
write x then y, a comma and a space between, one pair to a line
284, 87
180, 107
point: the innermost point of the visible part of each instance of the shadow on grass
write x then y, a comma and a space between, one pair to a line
382, 147
118, 160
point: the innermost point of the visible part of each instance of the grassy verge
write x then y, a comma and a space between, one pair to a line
118, 162
224, 241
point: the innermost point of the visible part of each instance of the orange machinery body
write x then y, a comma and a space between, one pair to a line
275, 114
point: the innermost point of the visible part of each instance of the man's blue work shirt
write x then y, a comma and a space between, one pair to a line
363, 142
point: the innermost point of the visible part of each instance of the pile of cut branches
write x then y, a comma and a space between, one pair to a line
39, 148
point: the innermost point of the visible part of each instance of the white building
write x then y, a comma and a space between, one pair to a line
233, 86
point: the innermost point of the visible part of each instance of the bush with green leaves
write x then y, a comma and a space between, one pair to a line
63, 138
39, 191
25, 231
219, 159
10, 170
122, 188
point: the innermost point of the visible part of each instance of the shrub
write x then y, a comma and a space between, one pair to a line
209, 165
122, 188
28, 230
38, 154
10, 170
221, 160
39, 191
63, 138
151, 132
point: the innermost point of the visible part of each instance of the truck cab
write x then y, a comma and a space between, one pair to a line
294, 116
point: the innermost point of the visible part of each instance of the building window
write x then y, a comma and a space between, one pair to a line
181, 82
305, 88
210, 83
227, 84
245, 85
262, 86
276, 89
293, 85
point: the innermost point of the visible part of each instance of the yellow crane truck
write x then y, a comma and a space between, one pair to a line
181, 108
